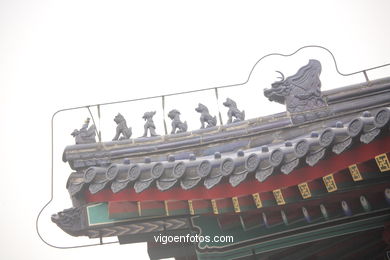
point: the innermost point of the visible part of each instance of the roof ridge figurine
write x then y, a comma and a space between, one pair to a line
174, 115
149, 125
205, 116
234, 111
85, 135
122, 131
301, 93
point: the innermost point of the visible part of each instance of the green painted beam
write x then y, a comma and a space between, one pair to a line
98, 215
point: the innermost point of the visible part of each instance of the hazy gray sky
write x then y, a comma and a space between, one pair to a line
59, 54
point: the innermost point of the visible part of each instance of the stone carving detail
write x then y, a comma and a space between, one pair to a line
134, 172
204, 168
301, 93
289, 167
355, 127
149, 125
236, 179
112, 172
157, 170
174, 115
276, 157
205, 116
264, 174
234, 112
301, 148
341, 147
312, 159
369, 136
227, 167
382, 117
85, 135
179, 169
122, 131
68, 220
252, 162
118, 186
140, 186
327, 137
211, 182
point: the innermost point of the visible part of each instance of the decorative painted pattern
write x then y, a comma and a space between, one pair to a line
191, 207
329, 182
236, 205
304, 190
166, 208
355, 173
383, 162
279, 197
215, 207
139, 208
102, 214
257, 200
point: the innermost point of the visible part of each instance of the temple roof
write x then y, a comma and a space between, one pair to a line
254, 148
263, 166
258, 161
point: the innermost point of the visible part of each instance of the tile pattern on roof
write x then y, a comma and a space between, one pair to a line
234, 167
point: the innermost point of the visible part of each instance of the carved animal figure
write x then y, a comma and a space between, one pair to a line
205, 116
174, 115
121, 128
85, 135
233, 111
69, 220
149, 125
301, 93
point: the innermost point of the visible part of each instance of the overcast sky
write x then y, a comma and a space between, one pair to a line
60, 54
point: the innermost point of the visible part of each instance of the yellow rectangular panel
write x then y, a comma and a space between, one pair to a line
304, 190
166, 208
329, 182
139, 208
191, 207
383, 162
256, 198
279, 197
355, 173
215, 208
236, 205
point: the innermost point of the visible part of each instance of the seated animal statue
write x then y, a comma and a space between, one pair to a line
301, 93
85, 135
122, 131
205, 116
174, 115
149, 125
234, 112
